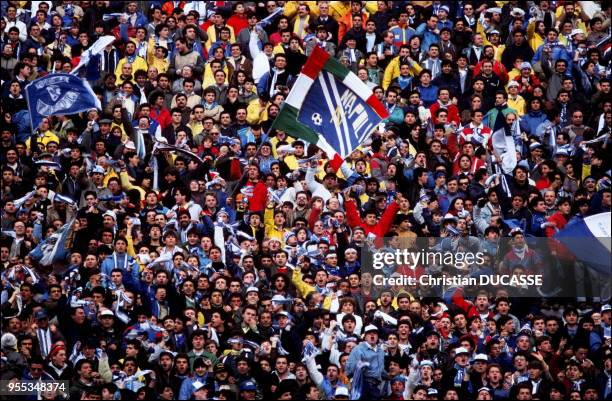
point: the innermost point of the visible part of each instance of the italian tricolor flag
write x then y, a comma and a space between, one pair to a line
329, 106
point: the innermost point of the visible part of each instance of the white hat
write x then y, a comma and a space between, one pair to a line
535, 145
517, 12
197, 385
111, 214
562, 152
513, 83
445, 8
494, 31
107, 312
130, 145
8, 341
495, 10
97, 170
576, 32
426, 362
525, 65
341, 391
370, 327
606, 307
279, 298
480, 358
283, 313
252, 289
461, 350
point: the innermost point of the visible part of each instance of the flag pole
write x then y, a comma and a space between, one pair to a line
29, 113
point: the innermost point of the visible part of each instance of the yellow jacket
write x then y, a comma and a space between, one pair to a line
296, 26
270, 229
255, 113
108, 174
291, 8
274, 142
161, 64
518, 104
393, 71
209, 78
123, 133
138, 64
47, 137
338, 9
304, 289
212, 36
127, 185
499, 49
535, 40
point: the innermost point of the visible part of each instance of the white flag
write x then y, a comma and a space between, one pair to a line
96, 48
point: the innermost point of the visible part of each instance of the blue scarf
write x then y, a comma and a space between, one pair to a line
404, 82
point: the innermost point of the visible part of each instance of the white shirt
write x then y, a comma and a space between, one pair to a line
23, 29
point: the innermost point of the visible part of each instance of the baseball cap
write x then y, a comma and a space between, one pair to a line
341, 391
283, 313
481, 358
248, 385
97, 170
219, 368
107, 312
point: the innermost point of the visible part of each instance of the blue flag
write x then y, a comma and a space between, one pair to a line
589, 239
53, 248
329, 106
59, 94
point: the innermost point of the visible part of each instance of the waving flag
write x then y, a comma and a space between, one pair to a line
95, 49
329, 106
59, 94
589, 240
53, 248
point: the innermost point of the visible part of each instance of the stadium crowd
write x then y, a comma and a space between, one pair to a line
172, 246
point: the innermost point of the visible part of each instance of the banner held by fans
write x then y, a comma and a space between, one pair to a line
58, 94
329, 106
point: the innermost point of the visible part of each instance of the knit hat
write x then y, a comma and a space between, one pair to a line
8, 341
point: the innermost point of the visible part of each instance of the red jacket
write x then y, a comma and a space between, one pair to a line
560, 220
257, 202
162, 116
454, 142
238, 22
453, 112
498, 69
379, 229
477, 163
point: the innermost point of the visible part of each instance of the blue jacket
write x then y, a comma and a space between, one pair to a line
187, 388
429, 95
402, 35
363, 353
132, 267
558, 52
531, 121
535, 228
427, 37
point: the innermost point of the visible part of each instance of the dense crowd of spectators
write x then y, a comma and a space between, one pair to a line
204, 255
